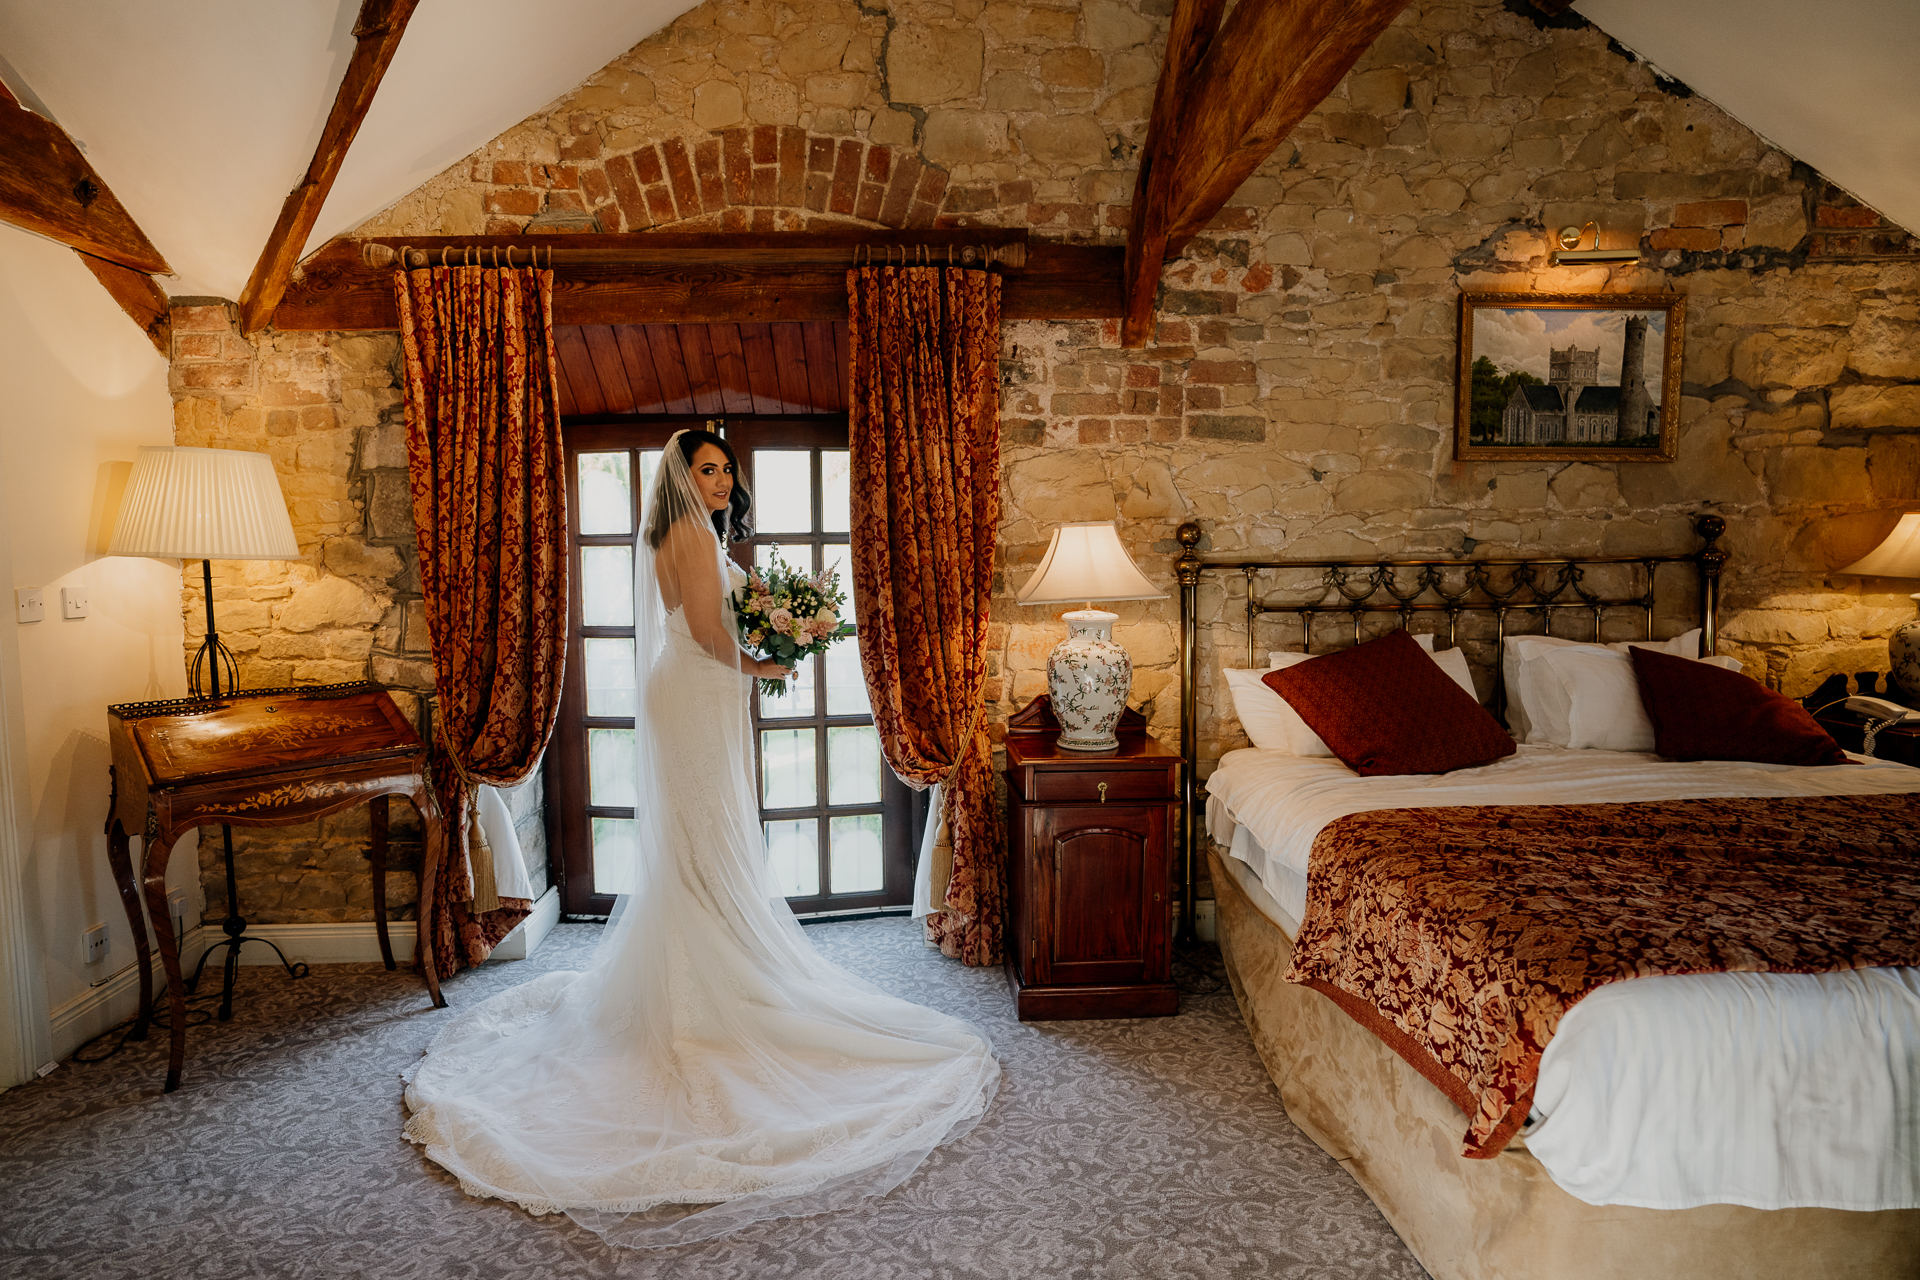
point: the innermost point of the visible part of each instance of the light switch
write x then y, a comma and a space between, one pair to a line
32, 607
73, 602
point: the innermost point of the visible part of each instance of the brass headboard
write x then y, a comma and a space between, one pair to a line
1354, 589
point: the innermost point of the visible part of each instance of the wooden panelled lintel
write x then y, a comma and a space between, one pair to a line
694, 278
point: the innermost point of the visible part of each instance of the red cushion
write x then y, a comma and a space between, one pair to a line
1701, 712
1385, 707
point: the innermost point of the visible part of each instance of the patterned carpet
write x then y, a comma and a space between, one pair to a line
1151, 1148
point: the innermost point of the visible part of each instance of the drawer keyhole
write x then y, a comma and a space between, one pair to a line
1103, 793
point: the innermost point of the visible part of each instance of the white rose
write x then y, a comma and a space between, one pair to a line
825, 617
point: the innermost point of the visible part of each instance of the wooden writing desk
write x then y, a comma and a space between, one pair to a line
262, 758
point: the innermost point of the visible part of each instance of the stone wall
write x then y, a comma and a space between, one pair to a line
326, 408
1298, 396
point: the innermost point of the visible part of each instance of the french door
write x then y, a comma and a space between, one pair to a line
839, 826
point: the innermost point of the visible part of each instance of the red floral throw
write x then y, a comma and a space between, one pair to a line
1461, 936
1385, 707
1707, 713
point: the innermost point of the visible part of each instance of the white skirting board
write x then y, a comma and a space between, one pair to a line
349, 942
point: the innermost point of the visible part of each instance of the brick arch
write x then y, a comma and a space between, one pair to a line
753, 178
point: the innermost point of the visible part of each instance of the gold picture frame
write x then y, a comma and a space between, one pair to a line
1528, 389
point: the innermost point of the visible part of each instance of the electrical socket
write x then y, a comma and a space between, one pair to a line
94, 943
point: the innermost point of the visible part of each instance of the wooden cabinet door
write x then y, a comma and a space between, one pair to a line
1105, 909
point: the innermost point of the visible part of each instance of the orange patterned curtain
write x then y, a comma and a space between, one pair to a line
924, 428
486, 470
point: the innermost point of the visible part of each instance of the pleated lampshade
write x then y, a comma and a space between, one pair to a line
203, 504
1086, 562
1896, 557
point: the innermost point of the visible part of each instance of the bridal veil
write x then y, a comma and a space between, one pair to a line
709, 1069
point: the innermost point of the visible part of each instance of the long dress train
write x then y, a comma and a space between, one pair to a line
709, 1056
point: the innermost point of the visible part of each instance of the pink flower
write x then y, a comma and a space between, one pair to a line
782, 620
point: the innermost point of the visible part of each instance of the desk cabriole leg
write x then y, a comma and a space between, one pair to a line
377, 819
120, 856
157, 854
434, 830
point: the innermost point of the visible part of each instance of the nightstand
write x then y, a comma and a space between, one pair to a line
1090, 869
1900, 742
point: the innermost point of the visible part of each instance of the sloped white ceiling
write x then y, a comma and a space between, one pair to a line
201, 115
1834, 83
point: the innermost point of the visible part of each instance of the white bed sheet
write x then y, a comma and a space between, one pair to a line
1760, 1089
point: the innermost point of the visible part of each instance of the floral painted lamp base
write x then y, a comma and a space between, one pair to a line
1903, 656
1089, 675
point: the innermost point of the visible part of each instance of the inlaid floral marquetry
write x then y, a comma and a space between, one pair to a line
261, 759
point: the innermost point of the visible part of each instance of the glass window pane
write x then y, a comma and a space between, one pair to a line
798, 700
610, 767
782, 491
649, 466
855, 855
786, 769
853, 765
793, 857
615, 856
836, 494
798, 555
606, 586
606, 494
846, 686
609, 676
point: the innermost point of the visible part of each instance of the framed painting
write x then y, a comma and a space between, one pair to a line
1572, 376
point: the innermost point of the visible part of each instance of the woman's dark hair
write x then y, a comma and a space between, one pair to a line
730, 525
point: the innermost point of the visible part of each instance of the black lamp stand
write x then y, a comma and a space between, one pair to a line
212, 657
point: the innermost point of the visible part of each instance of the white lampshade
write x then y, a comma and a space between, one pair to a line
1897, 557
1084, 563
203, 504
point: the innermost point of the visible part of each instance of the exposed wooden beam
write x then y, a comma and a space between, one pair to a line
699, 278
377, 36
1271, 62
139, 297
48, 187
1195, 22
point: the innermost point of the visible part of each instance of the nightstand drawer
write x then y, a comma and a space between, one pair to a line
1056, 786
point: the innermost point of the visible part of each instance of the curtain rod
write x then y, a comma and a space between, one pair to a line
493, 252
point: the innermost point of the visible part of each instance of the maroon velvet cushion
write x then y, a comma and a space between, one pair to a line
1385, 707
1702, 712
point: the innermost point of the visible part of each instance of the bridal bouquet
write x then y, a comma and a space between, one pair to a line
786, 615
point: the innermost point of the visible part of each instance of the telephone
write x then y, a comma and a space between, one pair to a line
1881, 709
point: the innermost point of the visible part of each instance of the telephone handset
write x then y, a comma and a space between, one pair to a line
1881, 709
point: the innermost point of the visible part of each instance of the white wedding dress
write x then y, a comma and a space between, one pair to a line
710, 1068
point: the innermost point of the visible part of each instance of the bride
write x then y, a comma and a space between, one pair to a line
710, 1068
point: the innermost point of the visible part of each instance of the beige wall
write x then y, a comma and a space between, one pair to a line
1298, 396
84, 390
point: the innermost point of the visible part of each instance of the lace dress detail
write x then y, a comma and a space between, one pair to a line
709, 1056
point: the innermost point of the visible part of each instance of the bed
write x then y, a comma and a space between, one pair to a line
1647, 1091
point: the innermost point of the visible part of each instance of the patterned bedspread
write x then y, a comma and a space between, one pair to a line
1461, 936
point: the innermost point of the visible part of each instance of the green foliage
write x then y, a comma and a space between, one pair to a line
1490, 391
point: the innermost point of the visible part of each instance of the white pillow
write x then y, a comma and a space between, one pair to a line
1265, 715
1604, 711
1538, 701
1273, 725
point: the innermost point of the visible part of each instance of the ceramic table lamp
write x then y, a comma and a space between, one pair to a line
1899, 557
1088, 673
